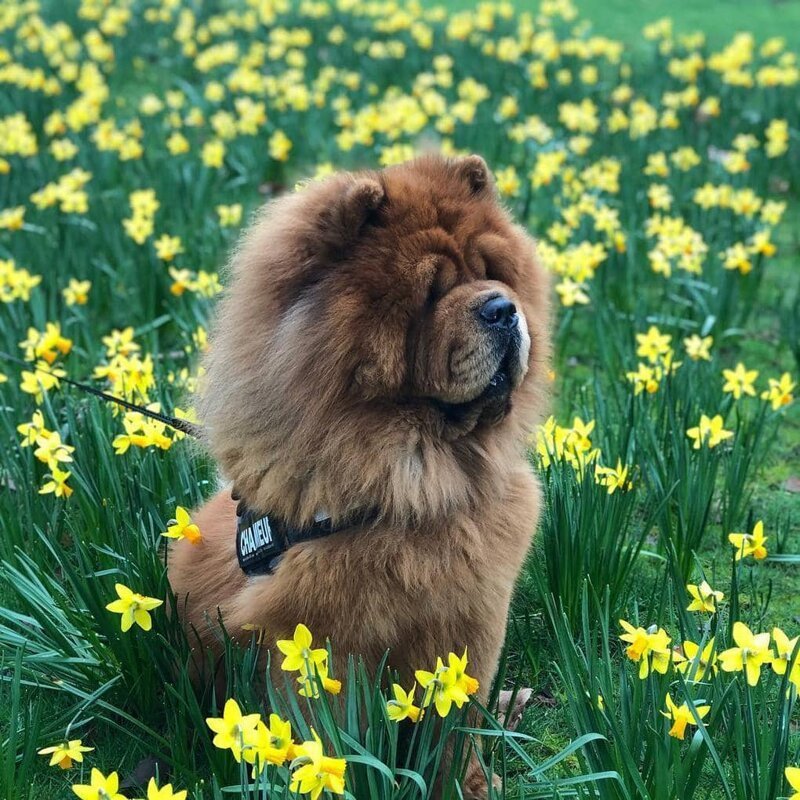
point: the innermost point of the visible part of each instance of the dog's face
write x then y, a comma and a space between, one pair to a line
401, 301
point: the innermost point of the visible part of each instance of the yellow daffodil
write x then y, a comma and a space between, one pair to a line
704, 598
52, 451
268, 744
182, 527
572, 293
637, 638
134, 607
697, 663
710, 431
780, 392
645, 379
57, 484
65, 754
310, 680
653, 344
313, 772
446, 686
682, 716
613, 478
750, 653
739, 381
750, 544
649, 648
229, 215
77, 292
458, 668
793, 778
167, 247
213, 153
233, 730
298, 651
785, 648
166, 792
100, 787
402, 706
12, 219
279, 146
698, 347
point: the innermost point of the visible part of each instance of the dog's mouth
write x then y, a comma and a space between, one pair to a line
494, 402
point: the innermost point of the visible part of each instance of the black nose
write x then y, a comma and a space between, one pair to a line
499, 312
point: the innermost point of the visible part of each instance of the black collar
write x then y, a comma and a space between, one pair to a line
262, 539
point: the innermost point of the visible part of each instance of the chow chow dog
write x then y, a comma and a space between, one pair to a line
379, 359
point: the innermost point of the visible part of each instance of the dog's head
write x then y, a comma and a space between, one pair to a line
378, 326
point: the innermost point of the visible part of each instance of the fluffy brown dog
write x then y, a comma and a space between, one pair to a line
382, 348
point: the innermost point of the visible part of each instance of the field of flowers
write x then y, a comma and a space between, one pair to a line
657, 621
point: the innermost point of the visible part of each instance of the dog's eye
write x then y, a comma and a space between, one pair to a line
492, 253
444, 279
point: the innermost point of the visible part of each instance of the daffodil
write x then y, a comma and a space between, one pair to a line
52, 451
167, 247
698, 347
77, 292
63, 755
40, 382
649, 648
704, 598
750, 544
166, 792
697, 663
402, 706
12, 219
780, 392
298, 651
793, 778
314, 675
739, 381
229, 215
637, 638
447, 686
653, 344
233, 729
279, 146
268, 744
134, 607
750, 653
313, 772
571, 293
57, 484
785, 648
100, 787
435, 690
613, 478
682, 716
213, 153
182, 527
660, 654
709, 431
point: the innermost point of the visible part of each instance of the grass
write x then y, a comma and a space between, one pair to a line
719, 19
128, 695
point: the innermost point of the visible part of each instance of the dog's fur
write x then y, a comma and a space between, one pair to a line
348, 371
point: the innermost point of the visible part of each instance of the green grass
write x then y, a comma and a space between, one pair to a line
718, 19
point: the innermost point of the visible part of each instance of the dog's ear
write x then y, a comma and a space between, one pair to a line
474, 171
354, 202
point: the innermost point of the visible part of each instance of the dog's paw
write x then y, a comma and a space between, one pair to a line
475, 786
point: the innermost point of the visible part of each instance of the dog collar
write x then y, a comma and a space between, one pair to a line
262, 539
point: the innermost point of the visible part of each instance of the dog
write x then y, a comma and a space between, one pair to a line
379, 359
